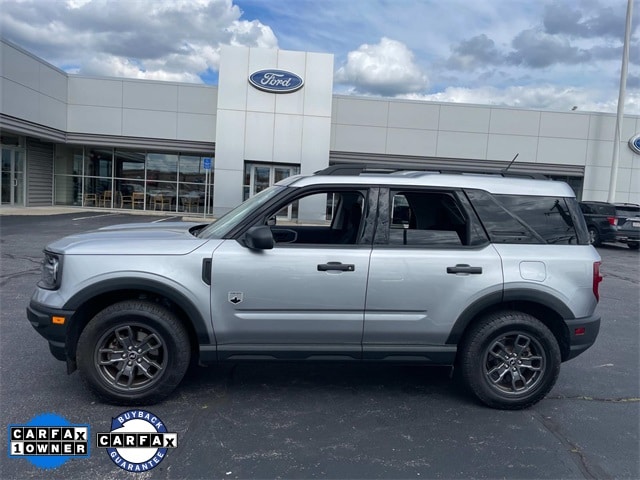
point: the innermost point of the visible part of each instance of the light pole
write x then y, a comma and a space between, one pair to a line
613, 182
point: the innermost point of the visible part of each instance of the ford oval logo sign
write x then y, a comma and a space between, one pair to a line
634, 143
276, 81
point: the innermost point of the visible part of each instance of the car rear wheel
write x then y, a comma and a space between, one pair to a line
594, 237
510, 360
133, 352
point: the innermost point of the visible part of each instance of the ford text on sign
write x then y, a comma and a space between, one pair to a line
276, 81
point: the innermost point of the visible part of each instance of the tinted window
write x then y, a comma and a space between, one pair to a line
327, 217
530, 219
608, 210
429, 219
628, 211
548, 216
592, 208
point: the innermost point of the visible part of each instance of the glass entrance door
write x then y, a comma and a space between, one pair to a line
12, 177
263, 176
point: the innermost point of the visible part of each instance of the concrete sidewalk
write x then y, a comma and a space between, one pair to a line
58, 210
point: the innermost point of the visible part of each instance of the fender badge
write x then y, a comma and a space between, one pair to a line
235, 297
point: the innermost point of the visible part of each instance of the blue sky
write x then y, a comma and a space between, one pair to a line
547, 54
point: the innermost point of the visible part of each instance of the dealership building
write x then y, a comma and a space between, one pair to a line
122, 143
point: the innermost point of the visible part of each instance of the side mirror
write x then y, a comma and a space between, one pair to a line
259, 238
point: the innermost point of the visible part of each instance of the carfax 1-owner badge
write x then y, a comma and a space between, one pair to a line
138, 441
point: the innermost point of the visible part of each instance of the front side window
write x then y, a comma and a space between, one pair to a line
328, 217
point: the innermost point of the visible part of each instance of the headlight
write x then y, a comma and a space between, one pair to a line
51, 271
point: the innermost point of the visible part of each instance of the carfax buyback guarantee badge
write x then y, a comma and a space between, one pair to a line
138, 441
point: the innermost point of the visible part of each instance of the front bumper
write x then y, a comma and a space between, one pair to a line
41, 318
582, 334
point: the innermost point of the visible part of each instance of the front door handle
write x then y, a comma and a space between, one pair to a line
341, 267
464, 268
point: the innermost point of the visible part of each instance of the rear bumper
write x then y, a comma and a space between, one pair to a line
582, 334
41, 319
628, 236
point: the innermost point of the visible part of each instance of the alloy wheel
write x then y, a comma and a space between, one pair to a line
131, 357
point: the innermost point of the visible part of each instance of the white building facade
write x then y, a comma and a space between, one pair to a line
199, 149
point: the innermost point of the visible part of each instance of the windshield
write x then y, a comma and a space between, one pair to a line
229, 220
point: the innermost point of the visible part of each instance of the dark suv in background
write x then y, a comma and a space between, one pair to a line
628, 224
602, 221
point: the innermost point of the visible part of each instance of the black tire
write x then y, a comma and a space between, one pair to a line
633, 245
594, 237
133, 352
510, 360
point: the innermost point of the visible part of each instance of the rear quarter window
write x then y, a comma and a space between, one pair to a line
530, 219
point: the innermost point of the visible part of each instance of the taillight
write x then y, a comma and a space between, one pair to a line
597, 278
612, 220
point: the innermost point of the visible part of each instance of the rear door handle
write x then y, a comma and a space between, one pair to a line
341, 267
464, 268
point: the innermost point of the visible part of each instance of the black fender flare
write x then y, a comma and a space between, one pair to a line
497, 299
198, 323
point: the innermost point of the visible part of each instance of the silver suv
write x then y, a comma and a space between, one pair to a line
488, 273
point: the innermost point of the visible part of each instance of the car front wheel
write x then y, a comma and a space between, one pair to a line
133, 352
510, 360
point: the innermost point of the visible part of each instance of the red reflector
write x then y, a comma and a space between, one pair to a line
580, 331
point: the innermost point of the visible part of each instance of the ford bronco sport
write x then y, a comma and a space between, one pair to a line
490, 273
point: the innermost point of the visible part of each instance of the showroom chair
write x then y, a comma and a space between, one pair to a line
90, 200
188, 203
105, 199
137, 200
162, 201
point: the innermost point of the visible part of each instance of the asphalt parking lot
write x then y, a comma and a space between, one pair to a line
335, 421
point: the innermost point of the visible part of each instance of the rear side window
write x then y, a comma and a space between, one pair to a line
421, 218
608, 210
530, 219
604, 209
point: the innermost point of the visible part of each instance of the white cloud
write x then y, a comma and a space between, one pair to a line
386, 68
539, 97
550, 54
176, 40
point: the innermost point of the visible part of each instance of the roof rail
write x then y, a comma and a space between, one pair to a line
358, 169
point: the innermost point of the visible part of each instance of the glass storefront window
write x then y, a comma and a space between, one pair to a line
130, 194
191, 169
129, 164
191, 197
98, 162
93, 176
97, 192
161, 196
162, 166
67, 169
